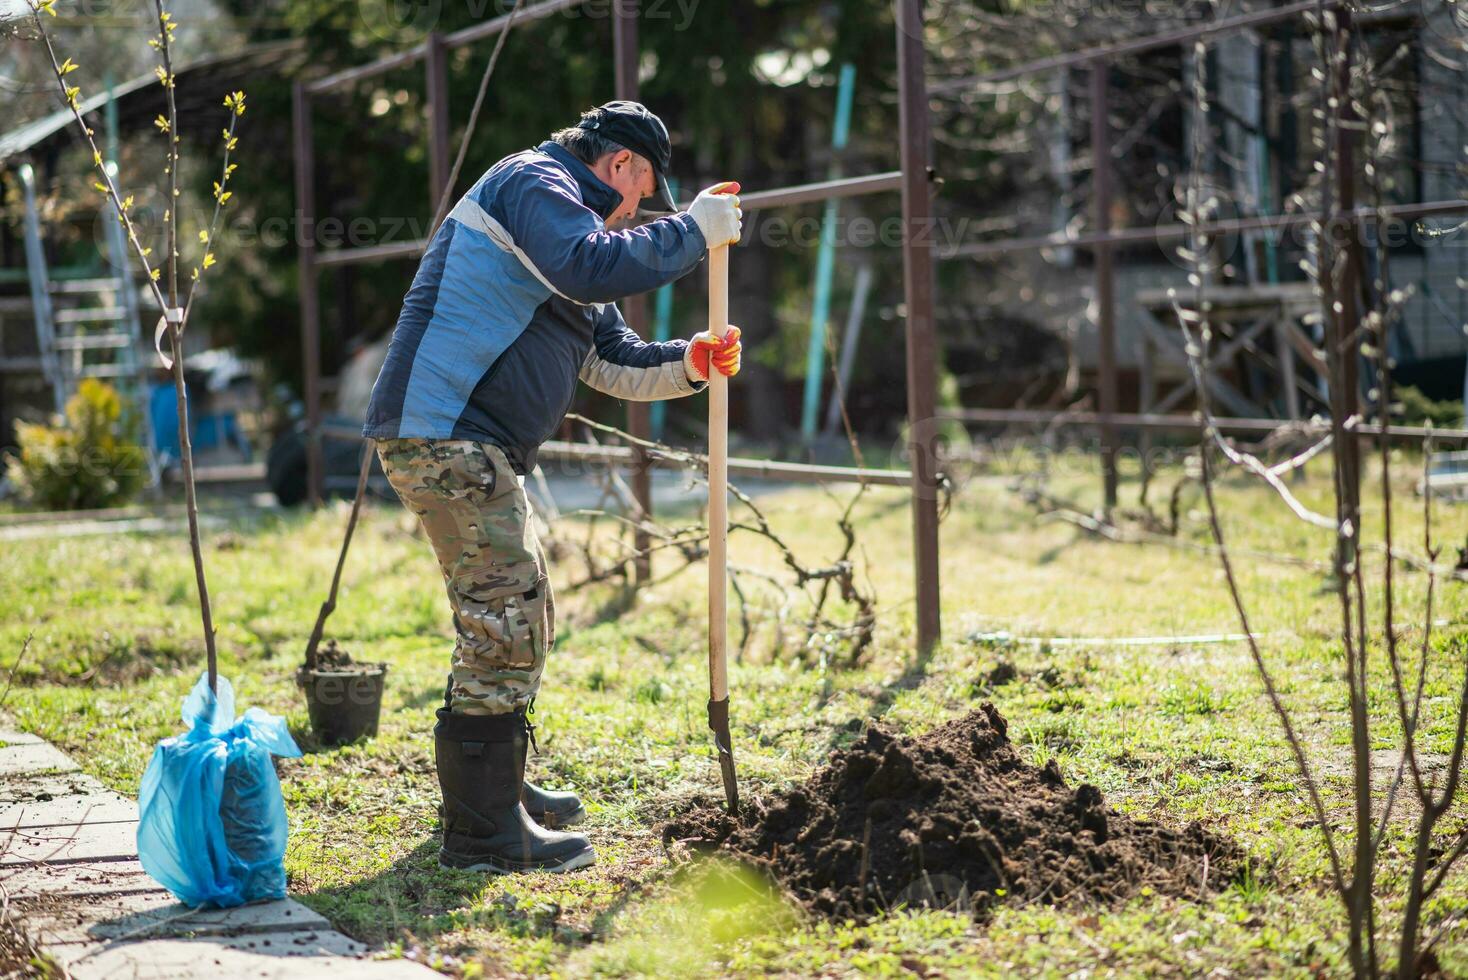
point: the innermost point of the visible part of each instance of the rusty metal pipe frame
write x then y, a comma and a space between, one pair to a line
765, 469
468, 35
1110, 52
914, 181
919, 329
1187, 423
634, 308
1175, 231
1105, 277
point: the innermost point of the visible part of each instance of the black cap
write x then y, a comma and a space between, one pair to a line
630, 124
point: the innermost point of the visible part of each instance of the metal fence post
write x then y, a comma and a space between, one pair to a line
310, 307
634, 308
918, 286
435, 64
1105, 279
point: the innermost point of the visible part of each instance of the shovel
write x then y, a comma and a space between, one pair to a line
719, 531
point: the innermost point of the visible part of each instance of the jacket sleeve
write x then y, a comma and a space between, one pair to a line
573, 252
624, 365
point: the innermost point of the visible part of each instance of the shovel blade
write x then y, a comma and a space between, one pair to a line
719, 725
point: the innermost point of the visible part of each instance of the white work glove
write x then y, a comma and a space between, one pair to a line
716, 212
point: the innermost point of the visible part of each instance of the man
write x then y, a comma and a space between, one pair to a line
512, 302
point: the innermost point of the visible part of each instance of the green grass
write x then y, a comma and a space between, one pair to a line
1173, 732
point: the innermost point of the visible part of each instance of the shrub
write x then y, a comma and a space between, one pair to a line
87, 459
1415, 408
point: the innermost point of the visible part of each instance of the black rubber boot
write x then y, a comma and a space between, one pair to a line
547, 807
481, 769
552, 809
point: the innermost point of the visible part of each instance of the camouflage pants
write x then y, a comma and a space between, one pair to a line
476, 515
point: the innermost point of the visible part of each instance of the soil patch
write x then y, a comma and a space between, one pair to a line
954, 818
329, 656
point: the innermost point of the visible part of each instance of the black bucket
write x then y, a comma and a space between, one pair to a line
344, 703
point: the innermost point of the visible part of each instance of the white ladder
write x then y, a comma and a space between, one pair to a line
89, 328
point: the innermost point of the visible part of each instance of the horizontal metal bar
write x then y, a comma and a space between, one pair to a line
371, 253
489, 28
1121, 49
766, 468
1183, 423
96, 341
468, 35
100, 371
778, 197
97, 314
1169, 232
558, 449
350, 76
824, 190
812, 473
95, 285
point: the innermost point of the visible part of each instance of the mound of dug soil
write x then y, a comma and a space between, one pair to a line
955, 816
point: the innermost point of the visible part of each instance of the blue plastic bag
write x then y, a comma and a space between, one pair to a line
213, 827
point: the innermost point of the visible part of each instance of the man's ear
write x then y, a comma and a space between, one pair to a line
622, 158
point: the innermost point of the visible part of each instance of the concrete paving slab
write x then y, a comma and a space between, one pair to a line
152, 915
34, 757
82, 878
19, 787
68, 863
53, 920
9, 736
70, 798
295, 955
68, 844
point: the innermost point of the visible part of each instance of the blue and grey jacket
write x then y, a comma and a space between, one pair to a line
513, 301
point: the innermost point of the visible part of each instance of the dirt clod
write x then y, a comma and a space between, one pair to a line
954, 818
329, 656
1002, 673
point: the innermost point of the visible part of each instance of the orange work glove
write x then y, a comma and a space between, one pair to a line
705, 347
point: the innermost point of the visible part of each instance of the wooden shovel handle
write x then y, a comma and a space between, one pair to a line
718, 482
